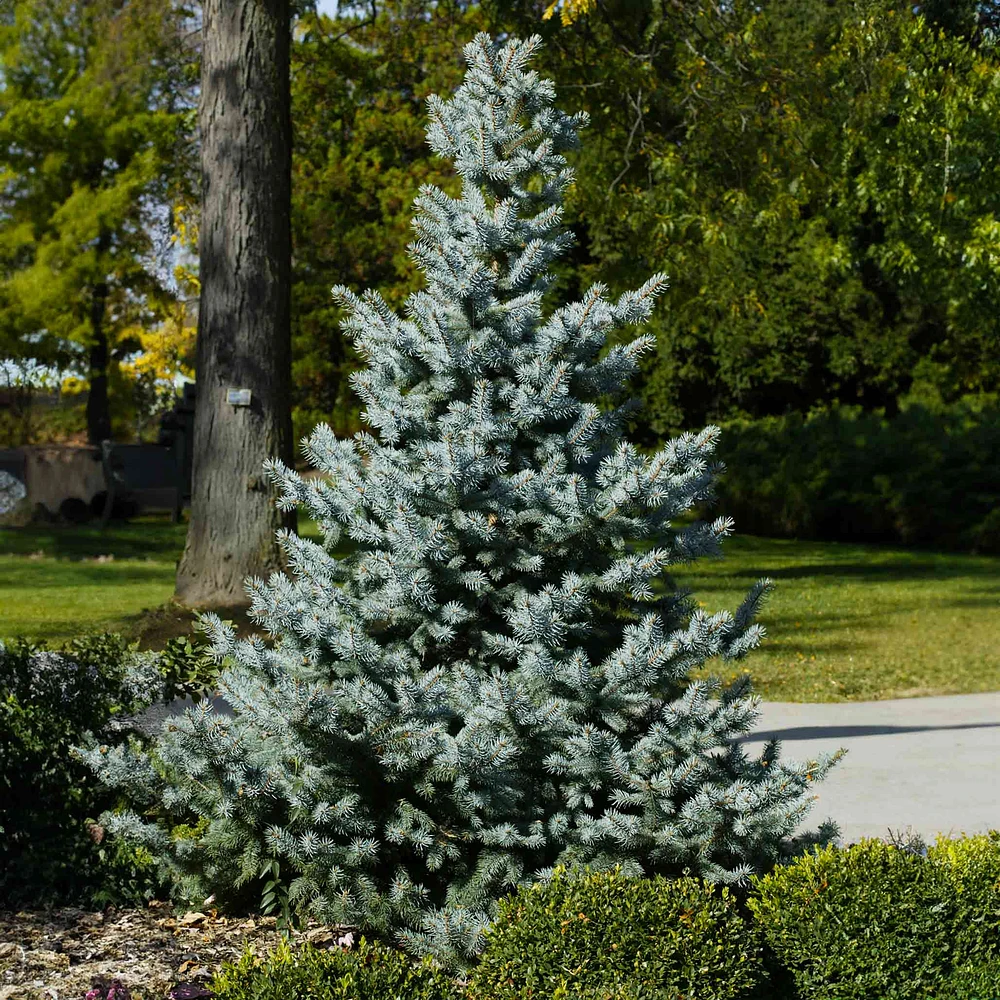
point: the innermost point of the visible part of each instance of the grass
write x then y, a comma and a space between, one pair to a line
845, 623
859, 622
57, 581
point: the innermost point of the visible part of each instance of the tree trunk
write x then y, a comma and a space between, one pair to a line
244, 310
98, 410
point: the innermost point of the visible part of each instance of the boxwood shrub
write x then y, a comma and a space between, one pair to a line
869, 921
971, 866
599, 935
975, 981
368, 971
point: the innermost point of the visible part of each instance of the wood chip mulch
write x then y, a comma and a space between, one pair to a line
60, 954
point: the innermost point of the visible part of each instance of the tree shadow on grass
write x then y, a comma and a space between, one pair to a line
85, 575
882, 572
145, 538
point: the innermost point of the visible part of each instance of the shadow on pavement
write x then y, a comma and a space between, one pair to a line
833, 732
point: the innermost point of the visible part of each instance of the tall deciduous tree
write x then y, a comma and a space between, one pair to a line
818, 179
244, 309
95, 117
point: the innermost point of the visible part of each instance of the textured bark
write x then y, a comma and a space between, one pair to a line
98, 411
244, 310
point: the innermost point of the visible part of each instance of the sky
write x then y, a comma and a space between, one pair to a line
326, 7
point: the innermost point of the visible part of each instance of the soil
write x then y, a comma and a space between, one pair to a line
155, 626
60, 954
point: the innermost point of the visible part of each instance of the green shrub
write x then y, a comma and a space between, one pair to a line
369, 971
973, 982
928, 476
187, 667
602, 934
972, 868
868, 921
51, 851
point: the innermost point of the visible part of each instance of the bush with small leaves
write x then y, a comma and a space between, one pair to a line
868, 921
50, 848
188, 668
972, 868
368, 971
602, 934
975, 981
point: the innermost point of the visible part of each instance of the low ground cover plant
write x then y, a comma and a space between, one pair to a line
367, 971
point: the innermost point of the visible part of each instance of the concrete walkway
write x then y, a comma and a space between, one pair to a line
930, 765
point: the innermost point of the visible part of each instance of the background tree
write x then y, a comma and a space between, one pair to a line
854, 188
359, 158
244, 307
752, 158
95, 131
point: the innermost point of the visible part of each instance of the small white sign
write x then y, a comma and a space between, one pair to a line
238, 397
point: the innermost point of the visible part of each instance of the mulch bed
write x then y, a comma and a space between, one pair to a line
59, 954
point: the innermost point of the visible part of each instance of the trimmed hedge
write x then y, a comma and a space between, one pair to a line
972, 869
877, 921
601, 935
929, 476
369, 971
973, 982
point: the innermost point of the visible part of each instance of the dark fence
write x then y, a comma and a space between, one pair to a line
136, 476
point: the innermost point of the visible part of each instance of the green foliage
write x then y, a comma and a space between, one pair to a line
33, 418
48, 701
129, 875
928, 476
601, 934
359, 86
818, 180
275, 896
96, 123
188, 668
972, 868
976, 981
868, 921
368, 971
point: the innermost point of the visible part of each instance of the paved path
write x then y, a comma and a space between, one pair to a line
928, 764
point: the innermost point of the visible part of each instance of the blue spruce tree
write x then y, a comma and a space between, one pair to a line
495, 681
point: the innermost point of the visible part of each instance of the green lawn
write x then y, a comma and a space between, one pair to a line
859, 622
845, 623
